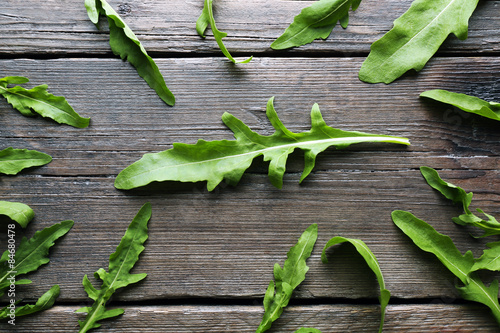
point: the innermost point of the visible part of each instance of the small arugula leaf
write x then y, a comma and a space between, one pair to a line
46, 301
429, 240
415, 37
287, 278
307, 330
490, 259
372, 262
465, 102
38, 100
12, 161
214, 161
206, 18
125, 44
120, 263
458, 195
30, 254
315, 21
17, 211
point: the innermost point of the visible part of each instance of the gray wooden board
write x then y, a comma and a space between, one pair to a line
62, 27
439, 317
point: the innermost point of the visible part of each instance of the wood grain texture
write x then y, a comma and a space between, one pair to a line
440, 317
62, 27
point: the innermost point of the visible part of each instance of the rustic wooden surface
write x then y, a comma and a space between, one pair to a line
209, 257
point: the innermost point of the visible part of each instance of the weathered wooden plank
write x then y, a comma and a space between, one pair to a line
62, 27
439, 317
128, 119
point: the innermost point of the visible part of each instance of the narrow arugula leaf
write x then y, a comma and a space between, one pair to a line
17, 211
206, 18
458, 195
372, 262
38, 100
287, 278
465, 102
429, 240
30, 254
125, 44
120, 263
315, 21
12, 161
307, 330
415, 37
490, 259
214, 161
46, 301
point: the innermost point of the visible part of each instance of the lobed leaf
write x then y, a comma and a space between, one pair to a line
215, 161
465, 102
31, 254
372, 262
120, 263
429, 240
415, 37
315, 21
12, 161
490, 259
206, 18
125, 44
46, 301
458, 195
287, 278
16, 211
39, 101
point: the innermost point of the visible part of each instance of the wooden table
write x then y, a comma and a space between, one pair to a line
209, 256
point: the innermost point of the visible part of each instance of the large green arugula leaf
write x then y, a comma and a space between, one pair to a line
315, 21
465, 102
30, 254
372, 262
415, 37
429, 240
46, 301
214, 161
490, 226
286, 279
206, 18
17, 211
12, 161
120, 263
39, 101
125, 44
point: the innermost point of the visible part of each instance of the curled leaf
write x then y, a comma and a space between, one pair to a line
215, 161
372, 262
315, 21
465, 102
39, 101
46, 301
17, 211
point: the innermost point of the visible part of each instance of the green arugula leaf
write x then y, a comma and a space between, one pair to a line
46, 301
490, 259
215, 161
287, 278
125, 44
307, 330
372, 262
415, 37
30, 254
17, 211
458, 195
465, 102
38, 100
12, 161
120, 263
315, 21
206, 18
429, 240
